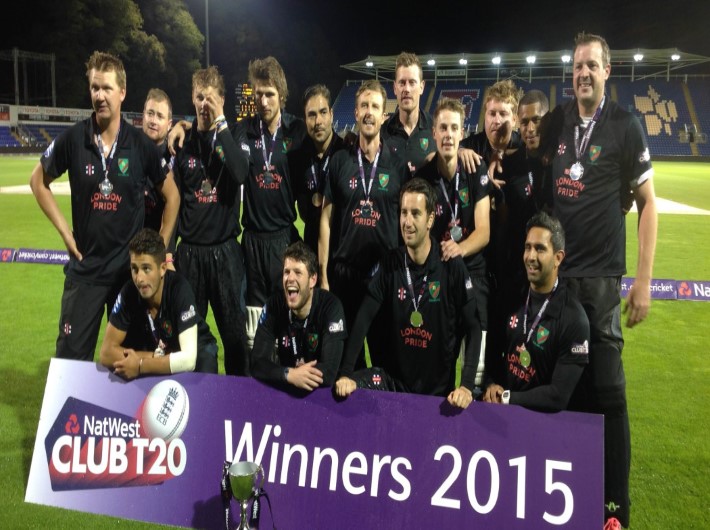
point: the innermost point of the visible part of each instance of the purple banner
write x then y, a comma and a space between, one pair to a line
153, 450
33, 255
660, 289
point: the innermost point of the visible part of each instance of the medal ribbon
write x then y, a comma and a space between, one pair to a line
292, 332
366, 188
581, 147
315, 176
539, 313
267, 158
154, 331
410, 285
106, 162
455, 210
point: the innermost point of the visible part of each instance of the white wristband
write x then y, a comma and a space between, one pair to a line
505, 398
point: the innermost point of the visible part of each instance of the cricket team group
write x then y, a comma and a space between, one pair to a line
501, 252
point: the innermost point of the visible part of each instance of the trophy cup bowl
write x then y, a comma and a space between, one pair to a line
245, 483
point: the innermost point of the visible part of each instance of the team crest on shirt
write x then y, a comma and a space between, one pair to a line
287, 143
542, 334
594, 152
123, 166
312, 340
168, 328
220, 152
434, 291
384, 179
89, 169
464, 196
424, 143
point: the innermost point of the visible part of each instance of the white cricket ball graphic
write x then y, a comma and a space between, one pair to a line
165, 411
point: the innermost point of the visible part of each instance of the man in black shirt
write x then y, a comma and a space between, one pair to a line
309, 165
601, 154
548, 336
154, 327
428, 306
359, 218
308, 325
109, 163
209, 170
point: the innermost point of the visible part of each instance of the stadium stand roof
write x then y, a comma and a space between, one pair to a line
635, 63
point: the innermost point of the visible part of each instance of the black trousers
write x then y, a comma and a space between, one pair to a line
216, 273
602, 389
263, 258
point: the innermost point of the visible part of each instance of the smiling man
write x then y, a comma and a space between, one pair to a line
154, 327
427, 305
548, 336
109, 162
602, 153
307, 323
360, 208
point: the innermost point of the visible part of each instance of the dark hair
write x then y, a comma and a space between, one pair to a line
535, 96
299, 251
546, 221
150, 242
419, 185
583, 38
316, 90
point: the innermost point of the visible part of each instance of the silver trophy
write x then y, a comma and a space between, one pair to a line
245, 483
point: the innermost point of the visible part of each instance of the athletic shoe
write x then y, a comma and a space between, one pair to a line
612, 524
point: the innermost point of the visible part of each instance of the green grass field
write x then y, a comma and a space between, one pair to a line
668, 388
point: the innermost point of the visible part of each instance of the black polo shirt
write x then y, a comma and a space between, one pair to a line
560, 338
103, 226
309, 176
269, 200
590, 208
177, 313
359, 239
412, 148
422, 358
209, 216
471, 189
320, 337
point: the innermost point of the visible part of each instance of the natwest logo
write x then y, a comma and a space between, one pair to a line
91, 447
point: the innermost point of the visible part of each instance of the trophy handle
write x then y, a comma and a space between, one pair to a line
259, 470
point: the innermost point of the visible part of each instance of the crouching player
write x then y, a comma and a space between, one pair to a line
154, 327
307, 323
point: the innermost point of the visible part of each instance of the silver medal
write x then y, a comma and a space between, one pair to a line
105, 187
206, 187
456, 233
576, 171
366, 210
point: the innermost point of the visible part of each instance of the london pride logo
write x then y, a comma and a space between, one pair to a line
91, 447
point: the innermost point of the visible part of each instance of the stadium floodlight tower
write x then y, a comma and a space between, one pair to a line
530, 59
566, 59
496, 60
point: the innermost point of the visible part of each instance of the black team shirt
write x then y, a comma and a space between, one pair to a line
209, 216
422, 358
177, 313
357, 238
103, 226
471, 189
414, 148
320, 337
269, 196
309, 176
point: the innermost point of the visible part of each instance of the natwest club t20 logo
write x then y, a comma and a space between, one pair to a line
91, 447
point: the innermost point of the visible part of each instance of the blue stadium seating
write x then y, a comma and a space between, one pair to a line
700, 92
6, 138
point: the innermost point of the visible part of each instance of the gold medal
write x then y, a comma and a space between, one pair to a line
525, 358
416, 319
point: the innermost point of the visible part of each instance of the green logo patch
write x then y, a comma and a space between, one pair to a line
424, 143
464, 196
434, 291
123, 166
384, 180
312, 340
594, 152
